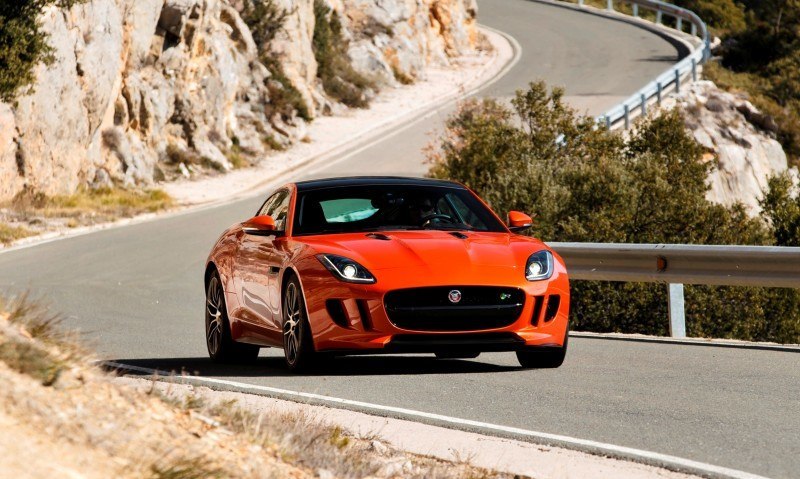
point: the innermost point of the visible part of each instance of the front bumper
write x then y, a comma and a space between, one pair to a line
358, 321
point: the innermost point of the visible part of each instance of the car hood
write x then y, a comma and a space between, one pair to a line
429, 249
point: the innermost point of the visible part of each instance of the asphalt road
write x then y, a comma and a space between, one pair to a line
137, 293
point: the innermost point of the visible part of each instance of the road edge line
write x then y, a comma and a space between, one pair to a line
672, 463
708, 342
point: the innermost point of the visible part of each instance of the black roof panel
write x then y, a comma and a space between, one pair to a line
373, 181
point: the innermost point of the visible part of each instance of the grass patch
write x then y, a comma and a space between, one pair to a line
26, 351
90, 206
186, 468
9, 234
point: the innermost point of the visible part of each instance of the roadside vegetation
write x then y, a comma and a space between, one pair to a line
23, 44
61, 412
588, 184
339, 79
31, 213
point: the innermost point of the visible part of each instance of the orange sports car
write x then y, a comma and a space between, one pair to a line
384, 265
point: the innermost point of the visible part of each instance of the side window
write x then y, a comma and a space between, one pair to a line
279, 209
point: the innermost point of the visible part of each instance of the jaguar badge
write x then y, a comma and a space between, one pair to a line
454, 296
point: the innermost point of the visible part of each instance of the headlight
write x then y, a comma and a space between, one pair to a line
539, 266
346, 269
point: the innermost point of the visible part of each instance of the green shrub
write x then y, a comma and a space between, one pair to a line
265, 19
343, 83
587, 184
23, 45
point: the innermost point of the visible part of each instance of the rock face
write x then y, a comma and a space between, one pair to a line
747, 156
140, 87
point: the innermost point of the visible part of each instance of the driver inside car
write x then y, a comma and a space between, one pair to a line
421, 211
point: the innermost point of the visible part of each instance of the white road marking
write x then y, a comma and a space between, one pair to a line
674, 463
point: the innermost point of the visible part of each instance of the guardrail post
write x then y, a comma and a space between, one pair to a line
627, 117
635, 9
659, 93
694, 69
644, 104
608, 122
694, 27
677, 314
677, 81
658, 17
610, 5
580, 2
679, 24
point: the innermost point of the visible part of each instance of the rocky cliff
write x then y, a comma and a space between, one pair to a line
738, 137
141, 90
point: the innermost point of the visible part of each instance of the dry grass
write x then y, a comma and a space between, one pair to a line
89, 206
9, 233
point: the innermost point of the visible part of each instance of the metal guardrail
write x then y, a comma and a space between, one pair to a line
654, 91
677, 264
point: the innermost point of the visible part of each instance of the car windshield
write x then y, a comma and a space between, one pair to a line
357, 208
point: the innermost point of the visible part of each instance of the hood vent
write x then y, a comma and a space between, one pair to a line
378, 236
459, 235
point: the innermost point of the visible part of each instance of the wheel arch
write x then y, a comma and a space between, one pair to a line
287, 274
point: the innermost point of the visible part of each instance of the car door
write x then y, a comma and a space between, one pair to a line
257, 267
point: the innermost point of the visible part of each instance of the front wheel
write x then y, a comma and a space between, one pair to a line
220, 344
298, 345
543, 358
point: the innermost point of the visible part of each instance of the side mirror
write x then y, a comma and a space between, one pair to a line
260, 225
518, 221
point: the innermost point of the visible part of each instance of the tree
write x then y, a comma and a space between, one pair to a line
22, 43
587, 184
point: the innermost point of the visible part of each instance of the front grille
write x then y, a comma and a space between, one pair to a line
430, 309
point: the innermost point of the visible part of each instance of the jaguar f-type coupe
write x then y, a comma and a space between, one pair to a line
384, 265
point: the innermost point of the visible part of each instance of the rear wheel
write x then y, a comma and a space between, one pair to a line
298, 345
543, 358
464, 355
220, 344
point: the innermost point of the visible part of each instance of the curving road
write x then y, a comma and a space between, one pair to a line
137, 292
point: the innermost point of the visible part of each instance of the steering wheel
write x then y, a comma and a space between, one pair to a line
435, 216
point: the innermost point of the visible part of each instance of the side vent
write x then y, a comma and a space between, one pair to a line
337, 312
552, 308
459, 235
538, 302
363, 311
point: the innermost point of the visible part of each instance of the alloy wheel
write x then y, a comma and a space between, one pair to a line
292, 323
214, 318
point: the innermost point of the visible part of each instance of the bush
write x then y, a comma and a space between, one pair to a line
22, 44
265, 19
587, 184
343, 83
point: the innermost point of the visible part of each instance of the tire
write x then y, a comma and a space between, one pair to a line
221, 346
543, 357
298, 345
464, 355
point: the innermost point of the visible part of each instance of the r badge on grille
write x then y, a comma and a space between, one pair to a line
454, 296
